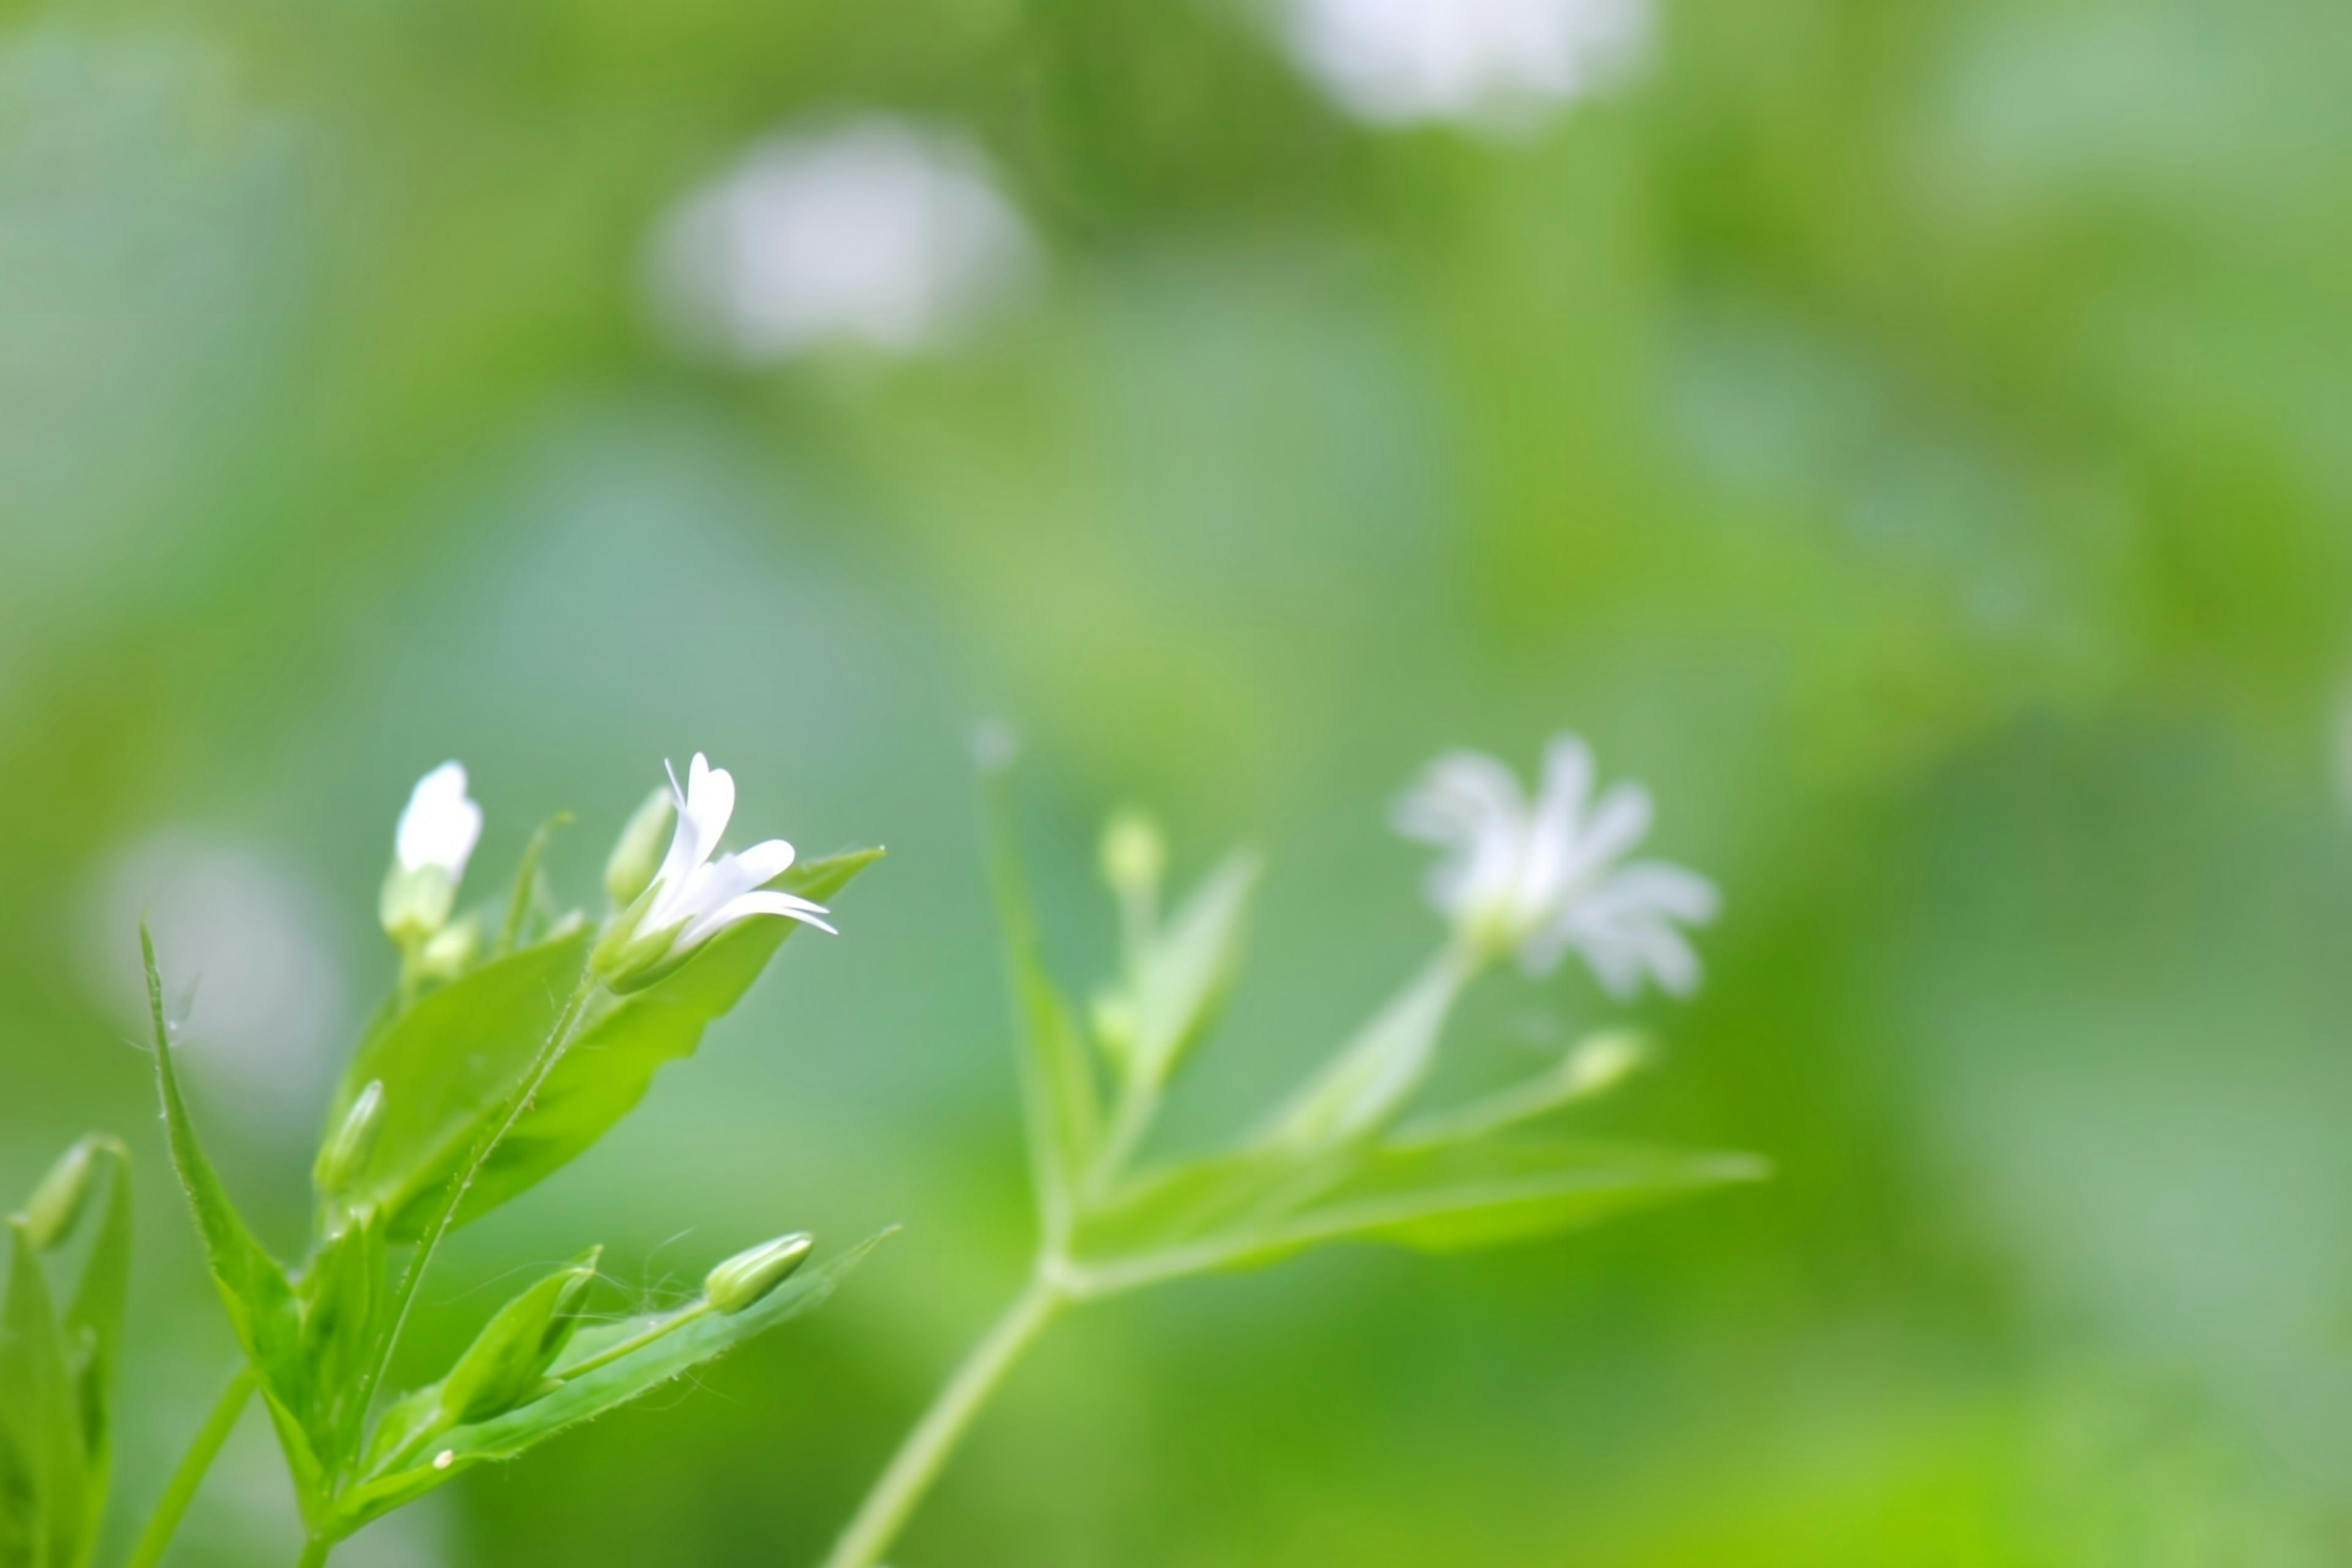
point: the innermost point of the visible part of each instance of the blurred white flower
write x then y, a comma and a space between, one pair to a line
1398, 61
693, 897
440, 826
247, 950
1545, 876
878, 232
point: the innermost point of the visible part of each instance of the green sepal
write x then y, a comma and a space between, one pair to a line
45, 1515
342, 1298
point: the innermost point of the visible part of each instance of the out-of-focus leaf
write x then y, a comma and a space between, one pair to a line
1060, 1099
1263, 1205
93, 1324
595, 1391
1184, 973
447, 1063
44, 1473
1373, 1074
253, 1288
1476, 1194
609, 1068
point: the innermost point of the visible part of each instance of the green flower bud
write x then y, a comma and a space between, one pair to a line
447, 953
1133, 855
415, 903
626, 961
57, 1204
507, 1363
638, 854
346, 1153
1603, 1062
745, 1279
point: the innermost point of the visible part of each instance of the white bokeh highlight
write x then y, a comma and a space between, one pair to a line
1497, 64
878, 232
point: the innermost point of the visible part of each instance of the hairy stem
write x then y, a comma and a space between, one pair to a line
444, 1213
189, 1475
920, 1458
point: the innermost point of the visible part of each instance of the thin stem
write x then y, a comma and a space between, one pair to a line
634, 1343
918, 1462
444, 1213
181, 1489
314, 1554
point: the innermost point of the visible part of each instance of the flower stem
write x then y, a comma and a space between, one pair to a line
314, 1553
190, 1473
444, 1213
919, 1460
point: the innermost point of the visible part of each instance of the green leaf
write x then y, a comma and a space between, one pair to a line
254, 1289
610, 1067
341, 1297
1369, 1081
44, 1469
448, 1062
1060, 1103
1180, 1205
94, 1325
590, 1395
1447, 1198
1184, 975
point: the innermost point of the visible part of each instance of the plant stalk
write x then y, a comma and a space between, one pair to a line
189, 1475
920, 1458
314, 1553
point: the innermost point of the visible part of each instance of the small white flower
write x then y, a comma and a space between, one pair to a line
1545, 876
440, 826
1493, 62
694, 896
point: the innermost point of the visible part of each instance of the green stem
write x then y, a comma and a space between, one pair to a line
314, 1553
918, 1462
182, 1488
444, 1213
634, 1343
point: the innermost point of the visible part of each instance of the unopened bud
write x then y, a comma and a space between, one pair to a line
1133, 855
638, 854
57, 1204
1603, 1062
1113, 1014
415, 903
448, 951
747, 1277
346, 1153
505, 1365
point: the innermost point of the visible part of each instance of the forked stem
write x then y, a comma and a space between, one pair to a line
189, 1475
919, 1459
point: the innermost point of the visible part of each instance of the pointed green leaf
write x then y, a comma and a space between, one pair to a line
44, 1470
341, 1297
260, 1301
697, 1338
94, 1325
448, 1062
1369, 1081
1447, 1198
612, 1066
1195, 1202
1184, 975
1061, 1101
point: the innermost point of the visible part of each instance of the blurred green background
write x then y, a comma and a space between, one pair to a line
1916, 440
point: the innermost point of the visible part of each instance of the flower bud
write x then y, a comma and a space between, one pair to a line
346, 1153
1601, 1063
506, 1364
1133, 855
744, 1279
624, 959
415, 902
63, 1193
638, 854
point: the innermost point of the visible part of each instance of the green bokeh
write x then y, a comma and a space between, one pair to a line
1915, 439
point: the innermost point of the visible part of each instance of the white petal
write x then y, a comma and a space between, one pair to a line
1668, 890
745, 905
439, 826
766, 862
1552, 825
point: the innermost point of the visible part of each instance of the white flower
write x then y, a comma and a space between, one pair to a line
694, 896
1545, 876
1397, 61
439, 825
879, 231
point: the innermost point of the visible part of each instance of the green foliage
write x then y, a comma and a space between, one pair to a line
57, 1366
435, 1120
